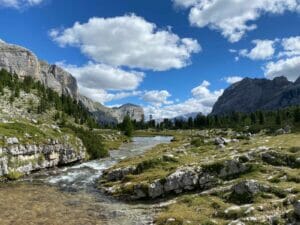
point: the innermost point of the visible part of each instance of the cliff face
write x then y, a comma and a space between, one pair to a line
23, 62
250, 95
24, 159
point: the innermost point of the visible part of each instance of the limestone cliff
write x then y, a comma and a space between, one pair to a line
23, 62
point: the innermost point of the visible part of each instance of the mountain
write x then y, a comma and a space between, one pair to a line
106, 115
185, 117
21, 61
250, 95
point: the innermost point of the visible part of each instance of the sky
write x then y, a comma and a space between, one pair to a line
172, 57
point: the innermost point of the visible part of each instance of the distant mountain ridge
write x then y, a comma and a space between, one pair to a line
21, 61
185, 117
250, 95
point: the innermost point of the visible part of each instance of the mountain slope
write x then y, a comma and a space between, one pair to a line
250, 95
21, 61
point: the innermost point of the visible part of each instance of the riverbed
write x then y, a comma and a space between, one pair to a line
69, 196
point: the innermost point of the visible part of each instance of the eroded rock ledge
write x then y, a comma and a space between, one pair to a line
17, 159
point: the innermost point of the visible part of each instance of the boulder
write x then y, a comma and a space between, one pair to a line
297, 208
155, 189
120, 173
12, 141
182, 179
232, 168
245, 191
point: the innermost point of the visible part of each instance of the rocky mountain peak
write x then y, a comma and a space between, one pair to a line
23, 62
251, 95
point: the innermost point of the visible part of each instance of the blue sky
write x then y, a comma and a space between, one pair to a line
170, 56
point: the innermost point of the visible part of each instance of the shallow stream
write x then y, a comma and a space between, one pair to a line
68, 195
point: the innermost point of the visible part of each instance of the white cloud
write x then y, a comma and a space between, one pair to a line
233, 79
289, 68
202, 100
291, 46
102, 96
128, 41
100, 76
156, 97
96, 80
233, 18
264, 49
17, 4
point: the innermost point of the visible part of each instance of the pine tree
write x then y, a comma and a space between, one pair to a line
278, 118
127, 126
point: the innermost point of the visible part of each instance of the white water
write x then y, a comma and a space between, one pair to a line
81, 180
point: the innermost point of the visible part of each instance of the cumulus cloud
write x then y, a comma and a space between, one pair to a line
287, 62
101, 76
291, 46
19, 3
156, 97
202, 100
289, 67
104, 83
233, 79
103, 96
128, 41
233, 18
264, 49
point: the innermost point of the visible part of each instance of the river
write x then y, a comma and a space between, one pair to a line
68, 195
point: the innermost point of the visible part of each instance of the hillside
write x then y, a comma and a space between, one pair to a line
250, 95
40, 128
214, 177
21, 61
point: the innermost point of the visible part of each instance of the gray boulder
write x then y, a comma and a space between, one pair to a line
245, 191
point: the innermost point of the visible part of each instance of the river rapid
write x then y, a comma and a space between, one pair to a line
68, 195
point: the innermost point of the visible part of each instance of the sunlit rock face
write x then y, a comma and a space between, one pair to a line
23, 62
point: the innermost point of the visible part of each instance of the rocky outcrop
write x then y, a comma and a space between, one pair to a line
183, 179
23, 62
58, 79
24, 159
250, 95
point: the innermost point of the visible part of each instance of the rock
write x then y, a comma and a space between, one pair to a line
297, 208
245, 191
120, 173
155, 189
139, 192
232, 168
219, 141
169, 157
287, 129
3, 166
280, 131
236, 222
12, 141
250, 95
28, 158
182, 179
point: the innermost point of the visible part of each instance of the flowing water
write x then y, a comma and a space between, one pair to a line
68, 196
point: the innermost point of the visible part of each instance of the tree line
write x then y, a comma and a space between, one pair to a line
256, 121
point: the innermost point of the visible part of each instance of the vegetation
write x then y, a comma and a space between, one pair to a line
64, 104
71, 116
127, 126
